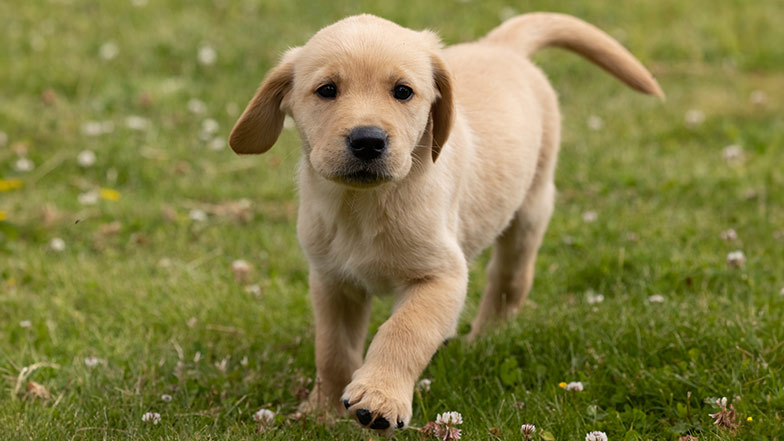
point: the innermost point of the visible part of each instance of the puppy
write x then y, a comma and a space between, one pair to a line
415, 159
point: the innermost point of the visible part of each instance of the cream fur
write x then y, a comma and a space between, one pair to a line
470, 161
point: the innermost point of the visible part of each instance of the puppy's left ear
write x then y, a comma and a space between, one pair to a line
260, 124
443, 108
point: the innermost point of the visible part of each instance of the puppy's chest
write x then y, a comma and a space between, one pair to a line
378, 253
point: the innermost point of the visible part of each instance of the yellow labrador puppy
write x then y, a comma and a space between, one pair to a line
415, 159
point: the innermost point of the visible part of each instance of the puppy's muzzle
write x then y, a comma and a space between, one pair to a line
367, 143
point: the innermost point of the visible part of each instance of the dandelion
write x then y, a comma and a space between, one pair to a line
88, 198
24, 165
562, 385
736, 259
57, 244
264, 416
3, 215
207, 55
196, 106
593, 297
656, 298
108, 50
86, 158
725, 417
166, 398
590, 216
10, 184
151, 417
596, 436
443, 428
595, 123
136, 122
729, 235
241, 270
694, 117
109, 194
528, 431
574, 386
749, 419
25, 323
424, 385
91, 361
197, 215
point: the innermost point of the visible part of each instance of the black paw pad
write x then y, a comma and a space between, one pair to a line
380, 424
363, 415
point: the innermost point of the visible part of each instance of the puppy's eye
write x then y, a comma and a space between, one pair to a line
328, 91
402, 93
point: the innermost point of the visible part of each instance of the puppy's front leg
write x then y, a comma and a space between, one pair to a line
341, 313
380, 393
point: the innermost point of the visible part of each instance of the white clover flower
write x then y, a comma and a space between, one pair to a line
209, 126
781, 293
24, 165
424, 385
196, 106
244, 361
197, 215
264, 416
758, 97
736, 259
136, 122
57, 244
596, 436
527, 430
590, 216
217, 144
166, 398
88, 198
729, 235
574, 386
254, 289
108, 50
449, 419
191, 322
733, 153
25, 323
241, 270
151, 417
694, 117
91, 361
595, 123
86, 158
593, 297
139, 3
207, 55
197, 357
222, 365
95, 128
656, 298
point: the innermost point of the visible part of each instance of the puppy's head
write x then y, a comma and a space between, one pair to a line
365, 94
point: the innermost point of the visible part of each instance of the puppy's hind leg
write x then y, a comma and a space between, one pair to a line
510, 272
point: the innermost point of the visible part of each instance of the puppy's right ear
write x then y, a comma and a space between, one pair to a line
260, 124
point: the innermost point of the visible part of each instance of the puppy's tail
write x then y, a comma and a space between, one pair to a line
531, 32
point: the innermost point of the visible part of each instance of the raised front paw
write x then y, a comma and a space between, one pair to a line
377, 404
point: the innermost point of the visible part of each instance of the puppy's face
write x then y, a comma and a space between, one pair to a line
365, 93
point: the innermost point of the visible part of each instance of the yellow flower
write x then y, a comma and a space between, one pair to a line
109, 194
749, 419
10, 184
562, 385
3, 215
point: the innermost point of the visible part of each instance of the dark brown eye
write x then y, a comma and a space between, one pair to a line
402, 93
328, 91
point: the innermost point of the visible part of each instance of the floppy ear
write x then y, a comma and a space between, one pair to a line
442, 110
260, 124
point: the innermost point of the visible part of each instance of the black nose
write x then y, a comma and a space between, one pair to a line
366, 142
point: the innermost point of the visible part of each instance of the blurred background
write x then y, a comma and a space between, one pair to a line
139, 257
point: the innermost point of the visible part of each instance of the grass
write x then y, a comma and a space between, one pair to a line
149, 293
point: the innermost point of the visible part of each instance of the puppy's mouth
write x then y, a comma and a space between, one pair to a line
361, 178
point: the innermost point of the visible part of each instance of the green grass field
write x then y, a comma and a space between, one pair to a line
138, 298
